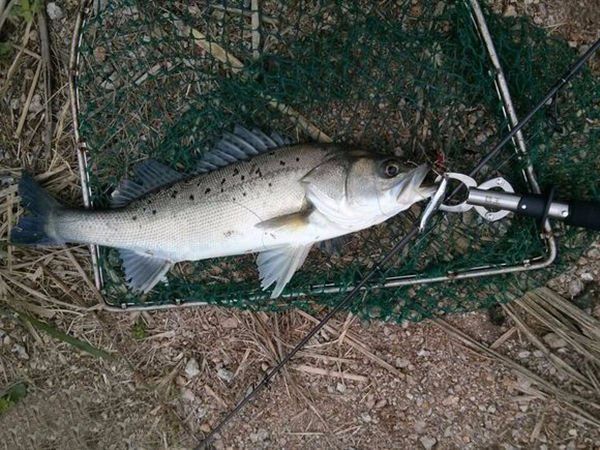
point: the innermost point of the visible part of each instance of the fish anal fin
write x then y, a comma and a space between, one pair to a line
143, 272
279, 265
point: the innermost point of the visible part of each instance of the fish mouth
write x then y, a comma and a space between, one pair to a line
409, 189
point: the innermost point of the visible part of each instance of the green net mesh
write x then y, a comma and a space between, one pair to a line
165, 79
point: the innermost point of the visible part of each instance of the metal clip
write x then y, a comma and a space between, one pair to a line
470, 183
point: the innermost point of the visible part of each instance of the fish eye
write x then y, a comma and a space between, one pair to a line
391, 168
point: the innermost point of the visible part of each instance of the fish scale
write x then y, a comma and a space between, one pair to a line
253, 194
195, 225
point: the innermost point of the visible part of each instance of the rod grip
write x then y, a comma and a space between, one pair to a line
533, 205
584, 214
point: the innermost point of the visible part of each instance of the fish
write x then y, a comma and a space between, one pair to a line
252, 193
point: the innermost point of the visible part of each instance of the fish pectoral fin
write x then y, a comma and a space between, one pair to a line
290, 222
279, 265
142, 272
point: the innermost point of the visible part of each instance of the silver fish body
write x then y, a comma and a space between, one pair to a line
253, 197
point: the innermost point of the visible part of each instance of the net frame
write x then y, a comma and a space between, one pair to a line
534, 262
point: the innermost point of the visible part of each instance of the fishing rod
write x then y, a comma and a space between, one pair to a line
414, 230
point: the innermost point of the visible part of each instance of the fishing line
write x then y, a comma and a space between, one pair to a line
573, 70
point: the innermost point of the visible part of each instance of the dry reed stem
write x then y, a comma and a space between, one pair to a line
330, 373
255, 29
571, 402
15, 64
352, 341
25, 110
45, 54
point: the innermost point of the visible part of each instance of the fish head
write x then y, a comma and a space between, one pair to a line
385, 184
359, 186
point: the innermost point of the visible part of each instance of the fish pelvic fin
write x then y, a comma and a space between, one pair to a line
36, 227
142, 271
279, 265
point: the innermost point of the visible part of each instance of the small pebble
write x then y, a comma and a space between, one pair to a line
225, 375
420, 427
576, 286
54, 11
260, 436
20, 351
402, 363
365, 417
428, 442
36, 104
341, 388
192, 369
554, 341
524, 354
188, 395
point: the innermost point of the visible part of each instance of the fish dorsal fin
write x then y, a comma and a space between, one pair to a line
239, 146
279, 265
142, 272
150, 175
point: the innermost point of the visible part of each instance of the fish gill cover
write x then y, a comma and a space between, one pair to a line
410, 78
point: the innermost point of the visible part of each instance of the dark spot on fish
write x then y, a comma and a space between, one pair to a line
223, 181
235, 171
258, 172
244, 194
134, 218
191, 197
234, 199
144, 209
270, 184
153, 211
297, 159
174, 194
282, 163
228, 233
207, 190
221, 189
271, 153
243, 177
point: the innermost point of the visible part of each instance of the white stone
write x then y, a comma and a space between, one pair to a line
54, 11
192, 369
576, 287
428, 442
188, 395
20, 351
554, 341
225, 375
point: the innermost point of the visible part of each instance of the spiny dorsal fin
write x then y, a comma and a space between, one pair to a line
142, 272
150, 175
279, 265
239, 146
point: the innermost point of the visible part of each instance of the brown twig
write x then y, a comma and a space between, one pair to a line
45, 54
25, 110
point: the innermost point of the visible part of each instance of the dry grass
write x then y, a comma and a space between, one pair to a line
539, 313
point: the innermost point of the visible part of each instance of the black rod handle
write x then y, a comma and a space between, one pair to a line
584, 214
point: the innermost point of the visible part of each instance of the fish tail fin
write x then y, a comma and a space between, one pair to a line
33, 228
